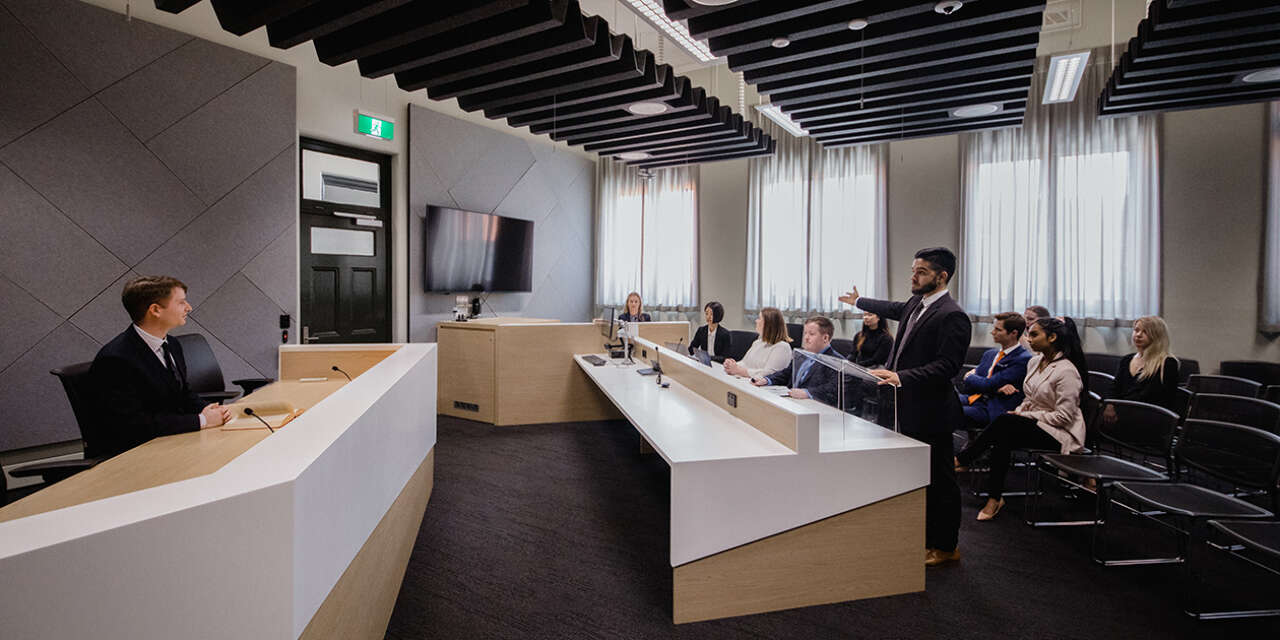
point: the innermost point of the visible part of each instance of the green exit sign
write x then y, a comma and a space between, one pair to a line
375, 127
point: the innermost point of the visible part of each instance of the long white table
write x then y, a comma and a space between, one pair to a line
310, 524
733, 484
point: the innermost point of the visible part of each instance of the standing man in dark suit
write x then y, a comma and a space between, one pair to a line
141, 375
994, 387
933, 335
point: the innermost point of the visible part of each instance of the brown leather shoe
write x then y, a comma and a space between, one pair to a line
935, 557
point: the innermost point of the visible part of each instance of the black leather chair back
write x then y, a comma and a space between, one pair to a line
1182, 401
843, 345
1242, 456
1266, 373
76, 383
1251, 412
1103, 362
1101, 383
203, 372
796, 331
1187, 367
1225, 385
1272, 393
740, 342
974, 355
1137, 427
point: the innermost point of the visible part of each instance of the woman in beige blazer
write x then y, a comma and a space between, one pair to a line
1049, 417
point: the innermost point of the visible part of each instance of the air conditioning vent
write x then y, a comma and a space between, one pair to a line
1061, 15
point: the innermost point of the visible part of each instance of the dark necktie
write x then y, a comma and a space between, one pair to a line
169, 363
906, 333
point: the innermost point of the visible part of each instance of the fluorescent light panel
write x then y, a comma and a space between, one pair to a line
774, 113
1065, 72
653, 13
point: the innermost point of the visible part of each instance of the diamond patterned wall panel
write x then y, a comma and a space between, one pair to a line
34, 86
92, 169
98, 46
155, 97
220, 144
24, 322
222, 240
85, 205
46, 254
36, 410
555, 191
244, 319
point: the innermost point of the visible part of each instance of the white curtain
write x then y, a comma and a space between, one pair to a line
647, 236
1270, 311
815, 225
1064, 211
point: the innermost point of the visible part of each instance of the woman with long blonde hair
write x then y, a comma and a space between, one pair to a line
771, 352
635, 309
1151, 373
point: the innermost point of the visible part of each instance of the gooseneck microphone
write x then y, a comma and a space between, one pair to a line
335, 368
249, 412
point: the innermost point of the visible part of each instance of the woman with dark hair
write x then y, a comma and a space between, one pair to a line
1049, 417
710, 337
768, 354
872, 346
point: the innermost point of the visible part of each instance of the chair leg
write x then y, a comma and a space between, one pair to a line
1099, 545
1192, 586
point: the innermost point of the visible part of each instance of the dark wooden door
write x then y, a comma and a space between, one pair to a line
345, 259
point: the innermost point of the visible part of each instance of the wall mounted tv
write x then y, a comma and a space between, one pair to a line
469, 251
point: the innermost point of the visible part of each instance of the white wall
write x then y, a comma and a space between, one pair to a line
327, 97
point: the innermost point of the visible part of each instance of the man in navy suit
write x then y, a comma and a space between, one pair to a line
995, 386
933, 336
812, 378
140, 376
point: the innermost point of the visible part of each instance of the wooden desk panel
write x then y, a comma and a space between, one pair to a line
538, 381
466, 372
317, 361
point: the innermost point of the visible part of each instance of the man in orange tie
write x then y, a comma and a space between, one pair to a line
995, 386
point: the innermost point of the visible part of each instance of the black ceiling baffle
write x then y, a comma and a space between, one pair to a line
858, 71
536, 63
1192, 54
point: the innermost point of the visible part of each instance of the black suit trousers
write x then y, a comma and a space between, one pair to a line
942, 508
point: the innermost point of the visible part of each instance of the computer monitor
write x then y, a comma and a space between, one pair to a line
608, 326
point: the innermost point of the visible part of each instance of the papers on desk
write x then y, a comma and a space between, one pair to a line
277, 414
776, 389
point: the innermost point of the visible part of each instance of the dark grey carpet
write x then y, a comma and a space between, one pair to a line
561, 531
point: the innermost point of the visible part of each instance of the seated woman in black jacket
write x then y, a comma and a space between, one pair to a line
872, 346
1151, 374
710, 337
635, 310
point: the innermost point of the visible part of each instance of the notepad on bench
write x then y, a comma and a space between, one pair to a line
277, 414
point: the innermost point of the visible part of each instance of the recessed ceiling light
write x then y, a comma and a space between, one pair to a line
1063, 80
634, 155
858, 24
780, 42
1264, 75
975, 110
948, 7
648, 108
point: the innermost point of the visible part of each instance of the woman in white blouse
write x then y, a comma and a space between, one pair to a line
769, 353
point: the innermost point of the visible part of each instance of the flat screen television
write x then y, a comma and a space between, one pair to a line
469, 251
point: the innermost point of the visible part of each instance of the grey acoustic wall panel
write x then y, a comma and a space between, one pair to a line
86, 204
459, 164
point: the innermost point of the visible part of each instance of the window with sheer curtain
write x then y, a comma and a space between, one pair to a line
1269, 320
815, 226
647, 237
1064, 211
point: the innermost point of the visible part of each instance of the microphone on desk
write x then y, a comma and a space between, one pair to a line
335, 368
249, 412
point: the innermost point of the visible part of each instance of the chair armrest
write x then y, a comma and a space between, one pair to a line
52, 472
249, 384
218, 396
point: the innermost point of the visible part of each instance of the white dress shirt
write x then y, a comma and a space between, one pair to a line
711, 342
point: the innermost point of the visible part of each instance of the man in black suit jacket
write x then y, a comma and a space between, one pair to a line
141, 376
933, 336
813, 379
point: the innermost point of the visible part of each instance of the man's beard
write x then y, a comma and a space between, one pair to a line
925, 289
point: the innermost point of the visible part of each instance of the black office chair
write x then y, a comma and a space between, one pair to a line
1232, 454
1187, 367
1267, 373
1226, 385
796, 331
1182, 401
740, 343
1255, 545
974, 355
75, 382
1251, 412
1104, 362
843, 346
204, 376
1272, 393
1101, 383
1132, 430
